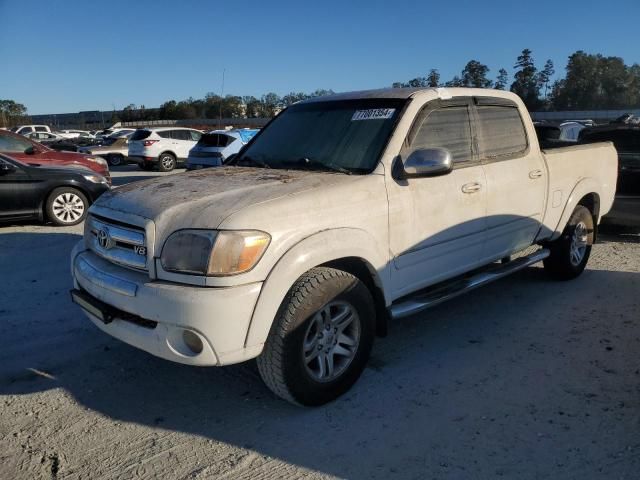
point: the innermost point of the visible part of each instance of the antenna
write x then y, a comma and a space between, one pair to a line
221, 97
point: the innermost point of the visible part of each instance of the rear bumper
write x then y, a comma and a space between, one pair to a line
219, 317
203, 162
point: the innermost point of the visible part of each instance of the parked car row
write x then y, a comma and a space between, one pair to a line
168, 147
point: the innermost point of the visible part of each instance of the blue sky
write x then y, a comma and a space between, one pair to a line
69, 56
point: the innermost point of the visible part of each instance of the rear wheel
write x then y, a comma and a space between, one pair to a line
321, 339
570, 253
166, 162
66, 206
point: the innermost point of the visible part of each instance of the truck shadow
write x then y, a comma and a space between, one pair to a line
445, 382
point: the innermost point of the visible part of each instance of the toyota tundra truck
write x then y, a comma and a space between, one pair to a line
345, 212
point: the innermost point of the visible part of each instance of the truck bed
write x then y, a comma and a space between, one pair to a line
595, 163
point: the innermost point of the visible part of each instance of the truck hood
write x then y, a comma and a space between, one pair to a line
204, 198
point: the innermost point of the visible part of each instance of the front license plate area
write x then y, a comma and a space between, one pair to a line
93, 306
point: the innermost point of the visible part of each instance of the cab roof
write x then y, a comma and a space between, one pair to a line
406, 93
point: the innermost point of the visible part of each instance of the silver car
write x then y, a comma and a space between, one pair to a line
215, 146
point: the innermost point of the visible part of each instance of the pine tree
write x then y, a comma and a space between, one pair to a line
502, 79
526, 80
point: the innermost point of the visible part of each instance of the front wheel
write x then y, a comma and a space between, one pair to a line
66, 206
115, 159
321, 338
570, 253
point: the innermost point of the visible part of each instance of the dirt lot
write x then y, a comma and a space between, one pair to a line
525, 378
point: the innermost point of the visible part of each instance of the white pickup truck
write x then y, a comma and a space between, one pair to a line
344, 212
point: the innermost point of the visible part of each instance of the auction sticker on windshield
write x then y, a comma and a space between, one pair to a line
373, 114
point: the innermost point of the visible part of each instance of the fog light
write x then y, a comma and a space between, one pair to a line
192, 341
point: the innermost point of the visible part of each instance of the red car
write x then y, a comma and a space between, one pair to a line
31, 152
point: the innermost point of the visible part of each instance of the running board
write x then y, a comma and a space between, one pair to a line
420, 302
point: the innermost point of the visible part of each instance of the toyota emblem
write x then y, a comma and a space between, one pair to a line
104, 239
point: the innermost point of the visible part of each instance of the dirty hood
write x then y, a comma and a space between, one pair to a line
204, 198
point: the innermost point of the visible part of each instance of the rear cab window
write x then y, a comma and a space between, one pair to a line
500, 129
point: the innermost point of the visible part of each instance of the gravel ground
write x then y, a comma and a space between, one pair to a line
525, 378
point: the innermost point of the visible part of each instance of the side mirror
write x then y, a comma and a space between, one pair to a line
6, 168
427, 162
30, 150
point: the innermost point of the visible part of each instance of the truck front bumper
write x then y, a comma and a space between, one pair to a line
182, 323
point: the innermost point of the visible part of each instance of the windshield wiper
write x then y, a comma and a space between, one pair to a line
252, 161
307, 162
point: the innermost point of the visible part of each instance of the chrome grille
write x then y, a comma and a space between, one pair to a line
123, 245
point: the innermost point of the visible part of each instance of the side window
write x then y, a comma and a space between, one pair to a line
447, 127
195, 136
163, 134
10, 144
41, 129
500, 131
181, 135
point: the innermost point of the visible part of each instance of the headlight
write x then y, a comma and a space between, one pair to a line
95, 178
98, 160
213, 253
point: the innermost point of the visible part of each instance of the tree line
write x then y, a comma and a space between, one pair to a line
591, 82
215, 106
12, 113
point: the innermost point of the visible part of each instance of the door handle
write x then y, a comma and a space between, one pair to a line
533, 174
472, 187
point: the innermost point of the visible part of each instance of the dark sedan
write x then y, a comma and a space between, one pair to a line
60, 194
626, 138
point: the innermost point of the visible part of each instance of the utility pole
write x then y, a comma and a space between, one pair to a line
221, 97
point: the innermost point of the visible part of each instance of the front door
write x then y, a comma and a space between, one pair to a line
17, 197
437, 225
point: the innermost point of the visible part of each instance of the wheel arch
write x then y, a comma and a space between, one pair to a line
351, 250
170, 152
363, 271
585, 193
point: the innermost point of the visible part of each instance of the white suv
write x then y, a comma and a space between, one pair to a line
164, 147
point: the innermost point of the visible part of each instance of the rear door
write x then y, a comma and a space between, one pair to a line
437, 225
516, 177
182, 142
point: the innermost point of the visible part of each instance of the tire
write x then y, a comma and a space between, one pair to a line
115, 160
299, 354
570, 253
166, 162
66, 206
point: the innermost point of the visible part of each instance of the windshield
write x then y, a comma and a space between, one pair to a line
337, 135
